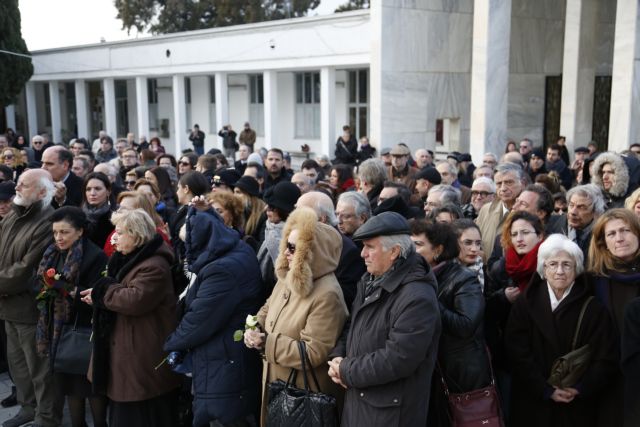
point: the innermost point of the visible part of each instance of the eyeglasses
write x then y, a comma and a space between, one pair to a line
131, 183
291, 248
9, 156
185, 163
564, 266
470, 243
523, 233
481, 193
37, 142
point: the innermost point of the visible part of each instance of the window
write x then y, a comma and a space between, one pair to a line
307, 105
187, 96
47, 105
152, 91
359, 102
256, 103
122, 107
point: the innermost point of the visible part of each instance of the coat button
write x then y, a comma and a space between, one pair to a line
230, 361
395, 400
361, 394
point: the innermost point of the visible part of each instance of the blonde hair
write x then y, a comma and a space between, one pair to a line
17, 156
142, 202
631, 201
601, 260
137, 223
231, 203
256, 208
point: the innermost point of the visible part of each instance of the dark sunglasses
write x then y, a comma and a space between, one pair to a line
9, 156
185, 163
291, 248
132, 183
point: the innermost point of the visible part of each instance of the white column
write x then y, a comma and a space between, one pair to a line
110, 124
32, 109
82, 109
222, 105
142, 106
10, 113
625, 87
270, 87
327, 109
489, 76
179, 113
578, 72
54, 99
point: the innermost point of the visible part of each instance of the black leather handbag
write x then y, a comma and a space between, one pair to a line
567, 370
73, 350
293, 407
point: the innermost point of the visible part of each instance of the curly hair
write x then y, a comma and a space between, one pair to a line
231, 203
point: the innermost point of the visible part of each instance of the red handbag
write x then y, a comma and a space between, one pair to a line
476, 408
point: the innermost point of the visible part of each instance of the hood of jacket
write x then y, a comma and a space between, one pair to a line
317, 251
208, 238
619, 188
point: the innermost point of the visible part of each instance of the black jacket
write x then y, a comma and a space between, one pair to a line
631, 362
94, 262
365, 153
462, 353
346, 152
536, 337
350, 269
74, 192
390, 349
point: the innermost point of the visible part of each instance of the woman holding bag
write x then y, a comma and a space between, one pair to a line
306, 305
79, 262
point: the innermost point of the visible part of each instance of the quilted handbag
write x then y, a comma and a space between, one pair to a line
567, 370
290, 406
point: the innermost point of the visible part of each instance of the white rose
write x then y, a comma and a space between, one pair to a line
251, 321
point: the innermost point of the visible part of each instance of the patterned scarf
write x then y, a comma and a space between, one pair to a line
56, 311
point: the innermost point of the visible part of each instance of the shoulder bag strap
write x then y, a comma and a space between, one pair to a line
306, 361
303, 358
575, 336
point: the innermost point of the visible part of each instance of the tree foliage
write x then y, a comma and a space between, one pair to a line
171, 16
15, 70
354, 5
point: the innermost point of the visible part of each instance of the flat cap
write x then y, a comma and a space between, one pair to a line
581, 150
384, 224
400, 150
429, 173
384, 151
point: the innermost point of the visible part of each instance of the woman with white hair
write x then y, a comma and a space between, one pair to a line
556, 315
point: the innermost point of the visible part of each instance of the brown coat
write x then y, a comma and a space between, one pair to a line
306, 304
145, 308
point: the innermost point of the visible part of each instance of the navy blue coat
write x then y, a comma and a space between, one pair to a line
228, 288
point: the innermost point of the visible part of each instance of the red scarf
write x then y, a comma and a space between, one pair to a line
521, 267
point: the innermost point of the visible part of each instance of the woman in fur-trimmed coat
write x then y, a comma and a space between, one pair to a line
306, 304
615, 187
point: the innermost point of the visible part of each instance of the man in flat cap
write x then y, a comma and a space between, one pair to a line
400, 170
385, 357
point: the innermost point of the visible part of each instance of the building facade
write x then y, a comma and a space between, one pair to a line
446, 75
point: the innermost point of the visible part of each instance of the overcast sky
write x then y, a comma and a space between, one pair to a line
47, 24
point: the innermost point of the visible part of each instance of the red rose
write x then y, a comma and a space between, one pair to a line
51, 272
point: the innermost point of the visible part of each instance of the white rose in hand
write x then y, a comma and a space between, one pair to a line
251, 321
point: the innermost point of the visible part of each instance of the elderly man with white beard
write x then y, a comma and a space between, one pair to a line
24, 234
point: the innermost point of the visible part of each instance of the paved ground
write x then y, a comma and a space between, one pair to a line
6, 413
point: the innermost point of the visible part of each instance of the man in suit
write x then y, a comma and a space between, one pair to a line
510, 181
58, 161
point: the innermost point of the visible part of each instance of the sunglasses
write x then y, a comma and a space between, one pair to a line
9, 156
132, 183
185, 163
291, 248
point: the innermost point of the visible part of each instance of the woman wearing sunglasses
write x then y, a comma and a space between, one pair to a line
12, 158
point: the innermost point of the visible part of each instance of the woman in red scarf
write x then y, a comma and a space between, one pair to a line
522, 234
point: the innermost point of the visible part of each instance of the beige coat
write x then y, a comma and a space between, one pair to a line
490, 223
307, 304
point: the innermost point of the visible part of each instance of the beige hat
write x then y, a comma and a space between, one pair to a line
400, 150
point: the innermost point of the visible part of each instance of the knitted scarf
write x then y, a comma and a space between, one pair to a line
521, 267
56, 311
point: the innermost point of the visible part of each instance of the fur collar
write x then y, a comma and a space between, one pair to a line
317, 251
619, 188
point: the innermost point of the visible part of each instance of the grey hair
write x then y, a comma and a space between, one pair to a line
556, 243
492, 155
452, 169
450, 194
327, 210
485, 180
373, 172
46, 183
403, 241
591, 192
359, 202
511, 167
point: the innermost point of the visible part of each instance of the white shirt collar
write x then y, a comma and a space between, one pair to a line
555, 302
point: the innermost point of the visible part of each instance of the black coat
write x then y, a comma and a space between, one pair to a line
74, 192
346, 152
350, 269
365, 153
390, 349
94, 262
461, 353
536, 337
631, 363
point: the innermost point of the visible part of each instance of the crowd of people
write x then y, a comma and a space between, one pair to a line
409, 279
